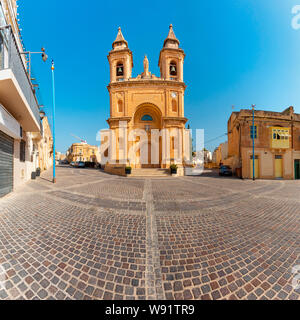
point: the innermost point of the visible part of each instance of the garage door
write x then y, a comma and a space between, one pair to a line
6, 163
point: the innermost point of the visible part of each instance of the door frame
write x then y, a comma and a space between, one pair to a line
298, 175
12, 141
281, 158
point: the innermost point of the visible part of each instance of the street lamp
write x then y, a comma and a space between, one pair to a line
253, 143
53, 116
29, 53
42, 115
44, 55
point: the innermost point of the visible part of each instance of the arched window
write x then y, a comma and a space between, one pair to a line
174, 106
173, 68
120, 106
120, 69
147, 117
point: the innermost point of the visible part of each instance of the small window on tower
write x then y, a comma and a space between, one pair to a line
173, 69
174, 105
120, 106
120, 70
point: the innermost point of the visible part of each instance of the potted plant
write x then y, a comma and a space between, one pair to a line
128, 170
173, 168
38, 172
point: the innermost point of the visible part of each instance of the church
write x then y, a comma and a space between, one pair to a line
147, 112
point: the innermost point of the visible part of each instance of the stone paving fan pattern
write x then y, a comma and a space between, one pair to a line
97, 236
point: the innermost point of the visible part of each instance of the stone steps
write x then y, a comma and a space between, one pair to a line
150, 172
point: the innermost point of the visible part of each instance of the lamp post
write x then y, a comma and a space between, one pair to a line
29, 53
53, 116
253, 143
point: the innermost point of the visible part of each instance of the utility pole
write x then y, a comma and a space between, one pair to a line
53, 88
253, 143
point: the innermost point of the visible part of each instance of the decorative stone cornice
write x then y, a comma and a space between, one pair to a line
172, 120
114, 121
143, 82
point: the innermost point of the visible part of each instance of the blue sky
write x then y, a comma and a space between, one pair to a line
238, 52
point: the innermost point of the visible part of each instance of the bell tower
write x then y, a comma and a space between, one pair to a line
120, 59
171, 58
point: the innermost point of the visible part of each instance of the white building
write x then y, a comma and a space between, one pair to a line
207, 156
20, 125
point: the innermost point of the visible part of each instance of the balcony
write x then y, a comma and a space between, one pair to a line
16, 92
280, 138
8, 124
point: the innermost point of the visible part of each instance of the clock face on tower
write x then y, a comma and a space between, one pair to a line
174, 95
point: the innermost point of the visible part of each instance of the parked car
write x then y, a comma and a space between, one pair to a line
225, 171
80, 164
90, 164
72, 164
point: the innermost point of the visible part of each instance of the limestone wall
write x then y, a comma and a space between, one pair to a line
115, 169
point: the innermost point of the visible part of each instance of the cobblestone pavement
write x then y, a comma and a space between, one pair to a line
98, 236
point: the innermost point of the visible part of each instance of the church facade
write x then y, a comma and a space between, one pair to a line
147, 112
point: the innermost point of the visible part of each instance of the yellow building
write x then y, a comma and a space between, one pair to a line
45, 146
220, 154
277, 144
83, 152
147, 103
